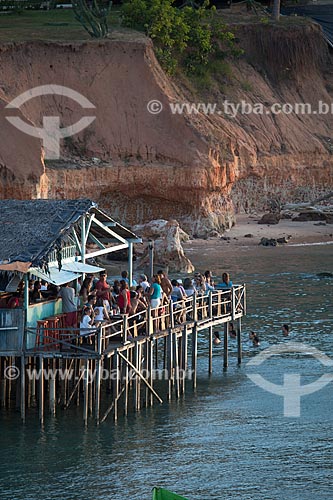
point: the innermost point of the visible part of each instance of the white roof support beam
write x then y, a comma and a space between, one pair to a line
106, 250
96, 240
109, 231
91, 218
76, 239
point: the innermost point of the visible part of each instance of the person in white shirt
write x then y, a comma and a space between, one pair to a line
86, 326
143, 281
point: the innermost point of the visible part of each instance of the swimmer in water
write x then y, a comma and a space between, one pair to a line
232, 331
285, 330
216, 340
255, 340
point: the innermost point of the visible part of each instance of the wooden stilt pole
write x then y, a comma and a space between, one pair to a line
142, 378
41, 390
146, 356
194, 354
225, 347
85, 391
210, 351
22, 388
137, 368
32, 382
239, 341
126, 388
165, 341
170, 363
52, 388
91, 388
184, 358
3, 383
80, 374
98, 376
176, 364
150, 369
116, 385
156, 353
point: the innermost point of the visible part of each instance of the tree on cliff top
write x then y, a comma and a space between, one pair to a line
93, 16
188, 36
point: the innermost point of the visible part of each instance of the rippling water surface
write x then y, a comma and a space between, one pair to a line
227, 440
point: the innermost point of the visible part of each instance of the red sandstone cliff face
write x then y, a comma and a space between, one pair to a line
141, 166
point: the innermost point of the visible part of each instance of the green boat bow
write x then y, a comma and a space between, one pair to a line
162, 494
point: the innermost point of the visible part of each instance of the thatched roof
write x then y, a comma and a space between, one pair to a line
30, 230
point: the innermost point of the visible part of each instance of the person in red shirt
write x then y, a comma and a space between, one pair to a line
103, 290
124, 298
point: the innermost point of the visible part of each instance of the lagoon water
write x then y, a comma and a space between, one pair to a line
228, 439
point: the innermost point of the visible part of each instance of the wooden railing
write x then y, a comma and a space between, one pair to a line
216, 307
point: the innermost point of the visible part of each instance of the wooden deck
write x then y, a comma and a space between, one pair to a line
114, 369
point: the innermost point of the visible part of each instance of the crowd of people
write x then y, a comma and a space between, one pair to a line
100, 300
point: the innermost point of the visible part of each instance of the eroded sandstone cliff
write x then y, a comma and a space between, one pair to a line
195, 168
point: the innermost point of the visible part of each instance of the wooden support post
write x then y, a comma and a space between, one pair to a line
52, 388
194, 354
172, 316
176, 364
210, 304
184, 358
239, 341
150, 326
165, 341
130, 262
150, 369
22, 388
156, 353
143, 379
139, 366
125, 327
98, 376
194, 307
9, 382
33, 399
210, 349
80, 374
146, 354
151, 258
225, 347
86, 391
3, 384
41, 390
116, 385
126, 381
63, 383
170, 363
136, 380
91, 388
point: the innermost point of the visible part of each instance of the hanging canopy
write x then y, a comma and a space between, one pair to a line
55, 276
79, 267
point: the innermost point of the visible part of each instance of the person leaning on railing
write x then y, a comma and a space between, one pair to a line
226, 285
226, 281
86, 324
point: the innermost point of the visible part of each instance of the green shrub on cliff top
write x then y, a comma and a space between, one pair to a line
189, 36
